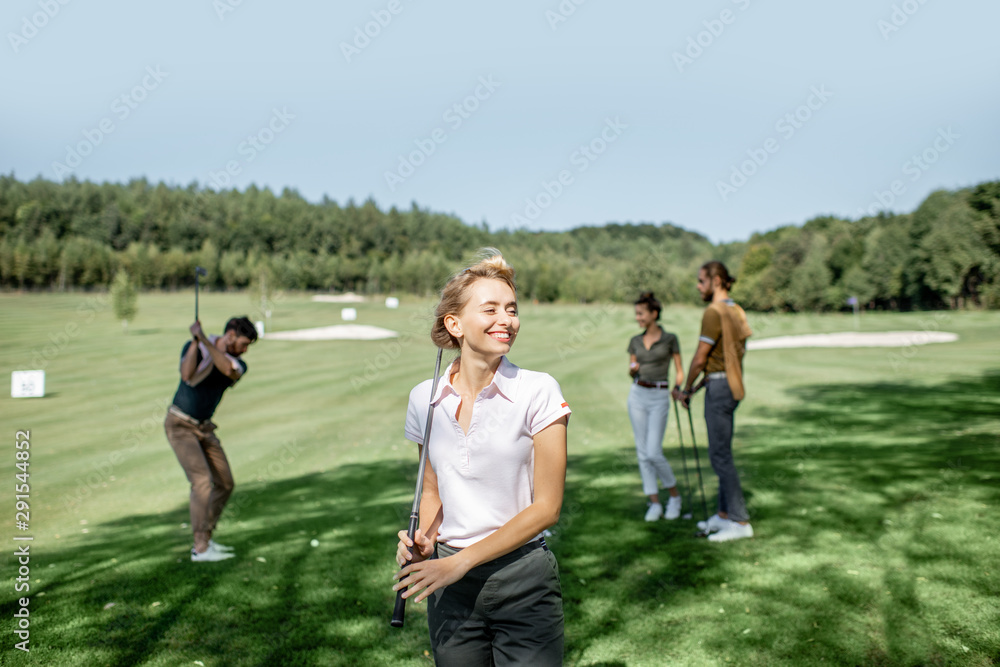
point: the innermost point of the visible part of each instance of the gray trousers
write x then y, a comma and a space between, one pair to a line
504, 612
719, 408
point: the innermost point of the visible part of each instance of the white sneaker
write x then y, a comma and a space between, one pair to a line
734, 531
220, 547
209, 554
714, 523
654, 512
673, 508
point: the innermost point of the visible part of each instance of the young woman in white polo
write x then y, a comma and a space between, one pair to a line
493, 483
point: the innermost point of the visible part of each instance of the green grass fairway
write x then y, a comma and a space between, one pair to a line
872, 475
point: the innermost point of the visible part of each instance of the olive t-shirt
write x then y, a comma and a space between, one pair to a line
654, 363
711, 333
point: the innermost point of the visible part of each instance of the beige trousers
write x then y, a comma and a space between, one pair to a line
200, 454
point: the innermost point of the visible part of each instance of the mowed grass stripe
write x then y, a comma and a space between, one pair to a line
871, 479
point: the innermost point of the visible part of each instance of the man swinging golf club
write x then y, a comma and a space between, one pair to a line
209, 365
721, 346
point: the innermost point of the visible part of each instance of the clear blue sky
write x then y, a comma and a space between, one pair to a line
894, 79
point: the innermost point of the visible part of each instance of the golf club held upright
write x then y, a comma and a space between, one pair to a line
400, 607
198, 271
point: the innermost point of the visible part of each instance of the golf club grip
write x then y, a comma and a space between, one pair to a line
399, 610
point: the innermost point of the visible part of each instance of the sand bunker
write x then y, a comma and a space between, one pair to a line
854, 339
335, 332
350, 297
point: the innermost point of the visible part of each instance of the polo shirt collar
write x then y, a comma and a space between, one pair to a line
504, 382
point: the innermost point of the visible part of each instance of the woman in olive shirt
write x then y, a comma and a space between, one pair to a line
650, 354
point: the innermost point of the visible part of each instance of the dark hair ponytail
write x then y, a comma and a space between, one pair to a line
652, 304
717, 268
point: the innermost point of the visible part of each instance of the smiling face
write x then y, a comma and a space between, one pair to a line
488, 323
644, 317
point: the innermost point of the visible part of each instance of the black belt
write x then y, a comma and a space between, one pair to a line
653, 385
512, 555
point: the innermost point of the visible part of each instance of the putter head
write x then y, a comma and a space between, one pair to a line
200, 271
701, 533
687, 516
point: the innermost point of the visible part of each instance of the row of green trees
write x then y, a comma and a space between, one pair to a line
79, 234
945, 254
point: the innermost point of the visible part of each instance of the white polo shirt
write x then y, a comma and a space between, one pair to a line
485, 477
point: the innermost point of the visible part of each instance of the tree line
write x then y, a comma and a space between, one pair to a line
78, 235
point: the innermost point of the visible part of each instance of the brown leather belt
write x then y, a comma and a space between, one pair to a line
653, 385
183, 416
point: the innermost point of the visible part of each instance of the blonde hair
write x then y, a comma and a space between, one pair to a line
455, 295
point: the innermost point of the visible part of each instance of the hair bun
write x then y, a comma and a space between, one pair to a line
646, 295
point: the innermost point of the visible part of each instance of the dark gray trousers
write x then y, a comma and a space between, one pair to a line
719, 408
504, 612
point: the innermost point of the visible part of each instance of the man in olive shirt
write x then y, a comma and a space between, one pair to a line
721, 347
209, 366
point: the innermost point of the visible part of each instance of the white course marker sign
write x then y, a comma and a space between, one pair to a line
27, 384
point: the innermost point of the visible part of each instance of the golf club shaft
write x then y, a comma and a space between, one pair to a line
687, 477
399, 609
697, 463
198, 272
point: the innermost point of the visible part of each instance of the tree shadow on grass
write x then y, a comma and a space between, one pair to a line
128, 593
625, 583
615, 567
891, 444
877, 488
282, 601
